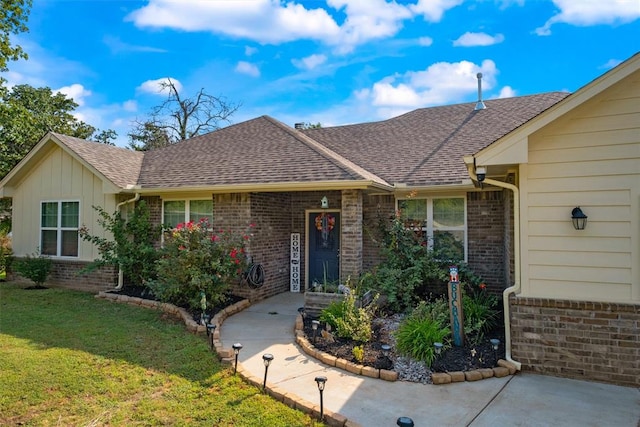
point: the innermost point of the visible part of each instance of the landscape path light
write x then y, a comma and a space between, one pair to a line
314, 326
236, 350
267, 358
404, 422
438, 347
210, 330
321, 382
495, 343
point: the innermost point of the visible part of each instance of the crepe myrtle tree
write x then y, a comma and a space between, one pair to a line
179, 118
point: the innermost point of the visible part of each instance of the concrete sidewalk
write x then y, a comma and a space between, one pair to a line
520, 400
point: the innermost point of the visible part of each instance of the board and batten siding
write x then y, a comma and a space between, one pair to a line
588, 158
58, 177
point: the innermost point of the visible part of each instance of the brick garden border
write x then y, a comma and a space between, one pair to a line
503, 369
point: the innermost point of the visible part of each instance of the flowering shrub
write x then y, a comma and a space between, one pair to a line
195, 260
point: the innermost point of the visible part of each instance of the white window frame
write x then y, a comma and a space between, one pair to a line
187, 207
428, 227
59, 229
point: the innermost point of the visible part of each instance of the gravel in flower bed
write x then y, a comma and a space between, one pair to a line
462, 358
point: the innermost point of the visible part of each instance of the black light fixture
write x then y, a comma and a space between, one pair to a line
267, 358
579, 218
236, 350
210, 329
302, 312
405, 422
438, 347
314, 326
321, 382
495, 343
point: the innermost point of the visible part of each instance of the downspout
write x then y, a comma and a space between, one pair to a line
516, 247
120, 272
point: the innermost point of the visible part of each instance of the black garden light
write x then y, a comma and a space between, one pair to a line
267, 358
210, 329
578, 218
495, 343
236, 350
314, 326
438, 347
405, 422
302, 312
321, 383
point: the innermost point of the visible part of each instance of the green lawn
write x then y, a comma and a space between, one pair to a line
67, 358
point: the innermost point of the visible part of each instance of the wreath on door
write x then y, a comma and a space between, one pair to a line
320, 222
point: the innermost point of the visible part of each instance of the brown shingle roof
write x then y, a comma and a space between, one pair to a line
426, 146
257, 151
120, 165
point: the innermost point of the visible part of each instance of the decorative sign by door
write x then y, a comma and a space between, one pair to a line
455, 307
294, 283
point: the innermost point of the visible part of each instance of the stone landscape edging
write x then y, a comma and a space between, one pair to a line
503, 369
226, 355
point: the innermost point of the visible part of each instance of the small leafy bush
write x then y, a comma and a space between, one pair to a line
194, 260
6, 254
358, 353
348, 319
34, 267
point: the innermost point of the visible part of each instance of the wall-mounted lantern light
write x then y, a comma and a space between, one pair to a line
324, 203
579, 218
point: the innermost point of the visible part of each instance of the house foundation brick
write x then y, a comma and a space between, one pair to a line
577, 339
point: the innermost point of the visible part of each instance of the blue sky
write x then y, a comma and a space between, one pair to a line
334, 61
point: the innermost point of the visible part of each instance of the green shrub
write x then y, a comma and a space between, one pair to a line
415, 337
481, 313
132, 248
194, 261
348, 319
34, 267
6, 254
358, 353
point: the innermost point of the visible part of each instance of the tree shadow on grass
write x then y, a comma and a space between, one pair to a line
61, 318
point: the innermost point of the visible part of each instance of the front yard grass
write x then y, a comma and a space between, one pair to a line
67, 358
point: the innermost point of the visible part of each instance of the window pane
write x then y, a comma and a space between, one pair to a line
448, 213
49, 242
49, 214
199, 209
413, 210
69, 243
70, 214
449, 245
174, 212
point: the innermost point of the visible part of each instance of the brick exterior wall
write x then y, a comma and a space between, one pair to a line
576, 339
375, 208
351, 239
66, 273
487, 246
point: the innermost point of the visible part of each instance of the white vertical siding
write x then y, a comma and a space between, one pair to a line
589, 158
57, 177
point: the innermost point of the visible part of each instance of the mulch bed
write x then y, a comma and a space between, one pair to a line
464, 358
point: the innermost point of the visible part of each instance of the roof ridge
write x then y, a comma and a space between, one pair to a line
327, 152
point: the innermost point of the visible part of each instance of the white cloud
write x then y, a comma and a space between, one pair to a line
155, 87
130, 106
432, 10
440, 83
248, 68
587, 13
310, 62
610, 64
117, 46
276, 21
425, 41
76, 91
478, 39
248, 50
507, 92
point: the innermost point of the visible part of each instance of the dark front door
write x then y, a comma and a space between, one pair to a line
324, 248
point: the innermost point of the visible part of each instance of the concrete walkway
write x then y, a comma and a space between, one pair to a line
520, 400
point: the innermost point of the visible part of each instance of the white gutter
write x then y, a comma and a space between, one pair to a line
120, 272
516, 248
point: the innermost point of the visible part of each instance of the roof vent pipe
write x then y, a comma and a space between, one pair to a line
480, 104
299, 126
